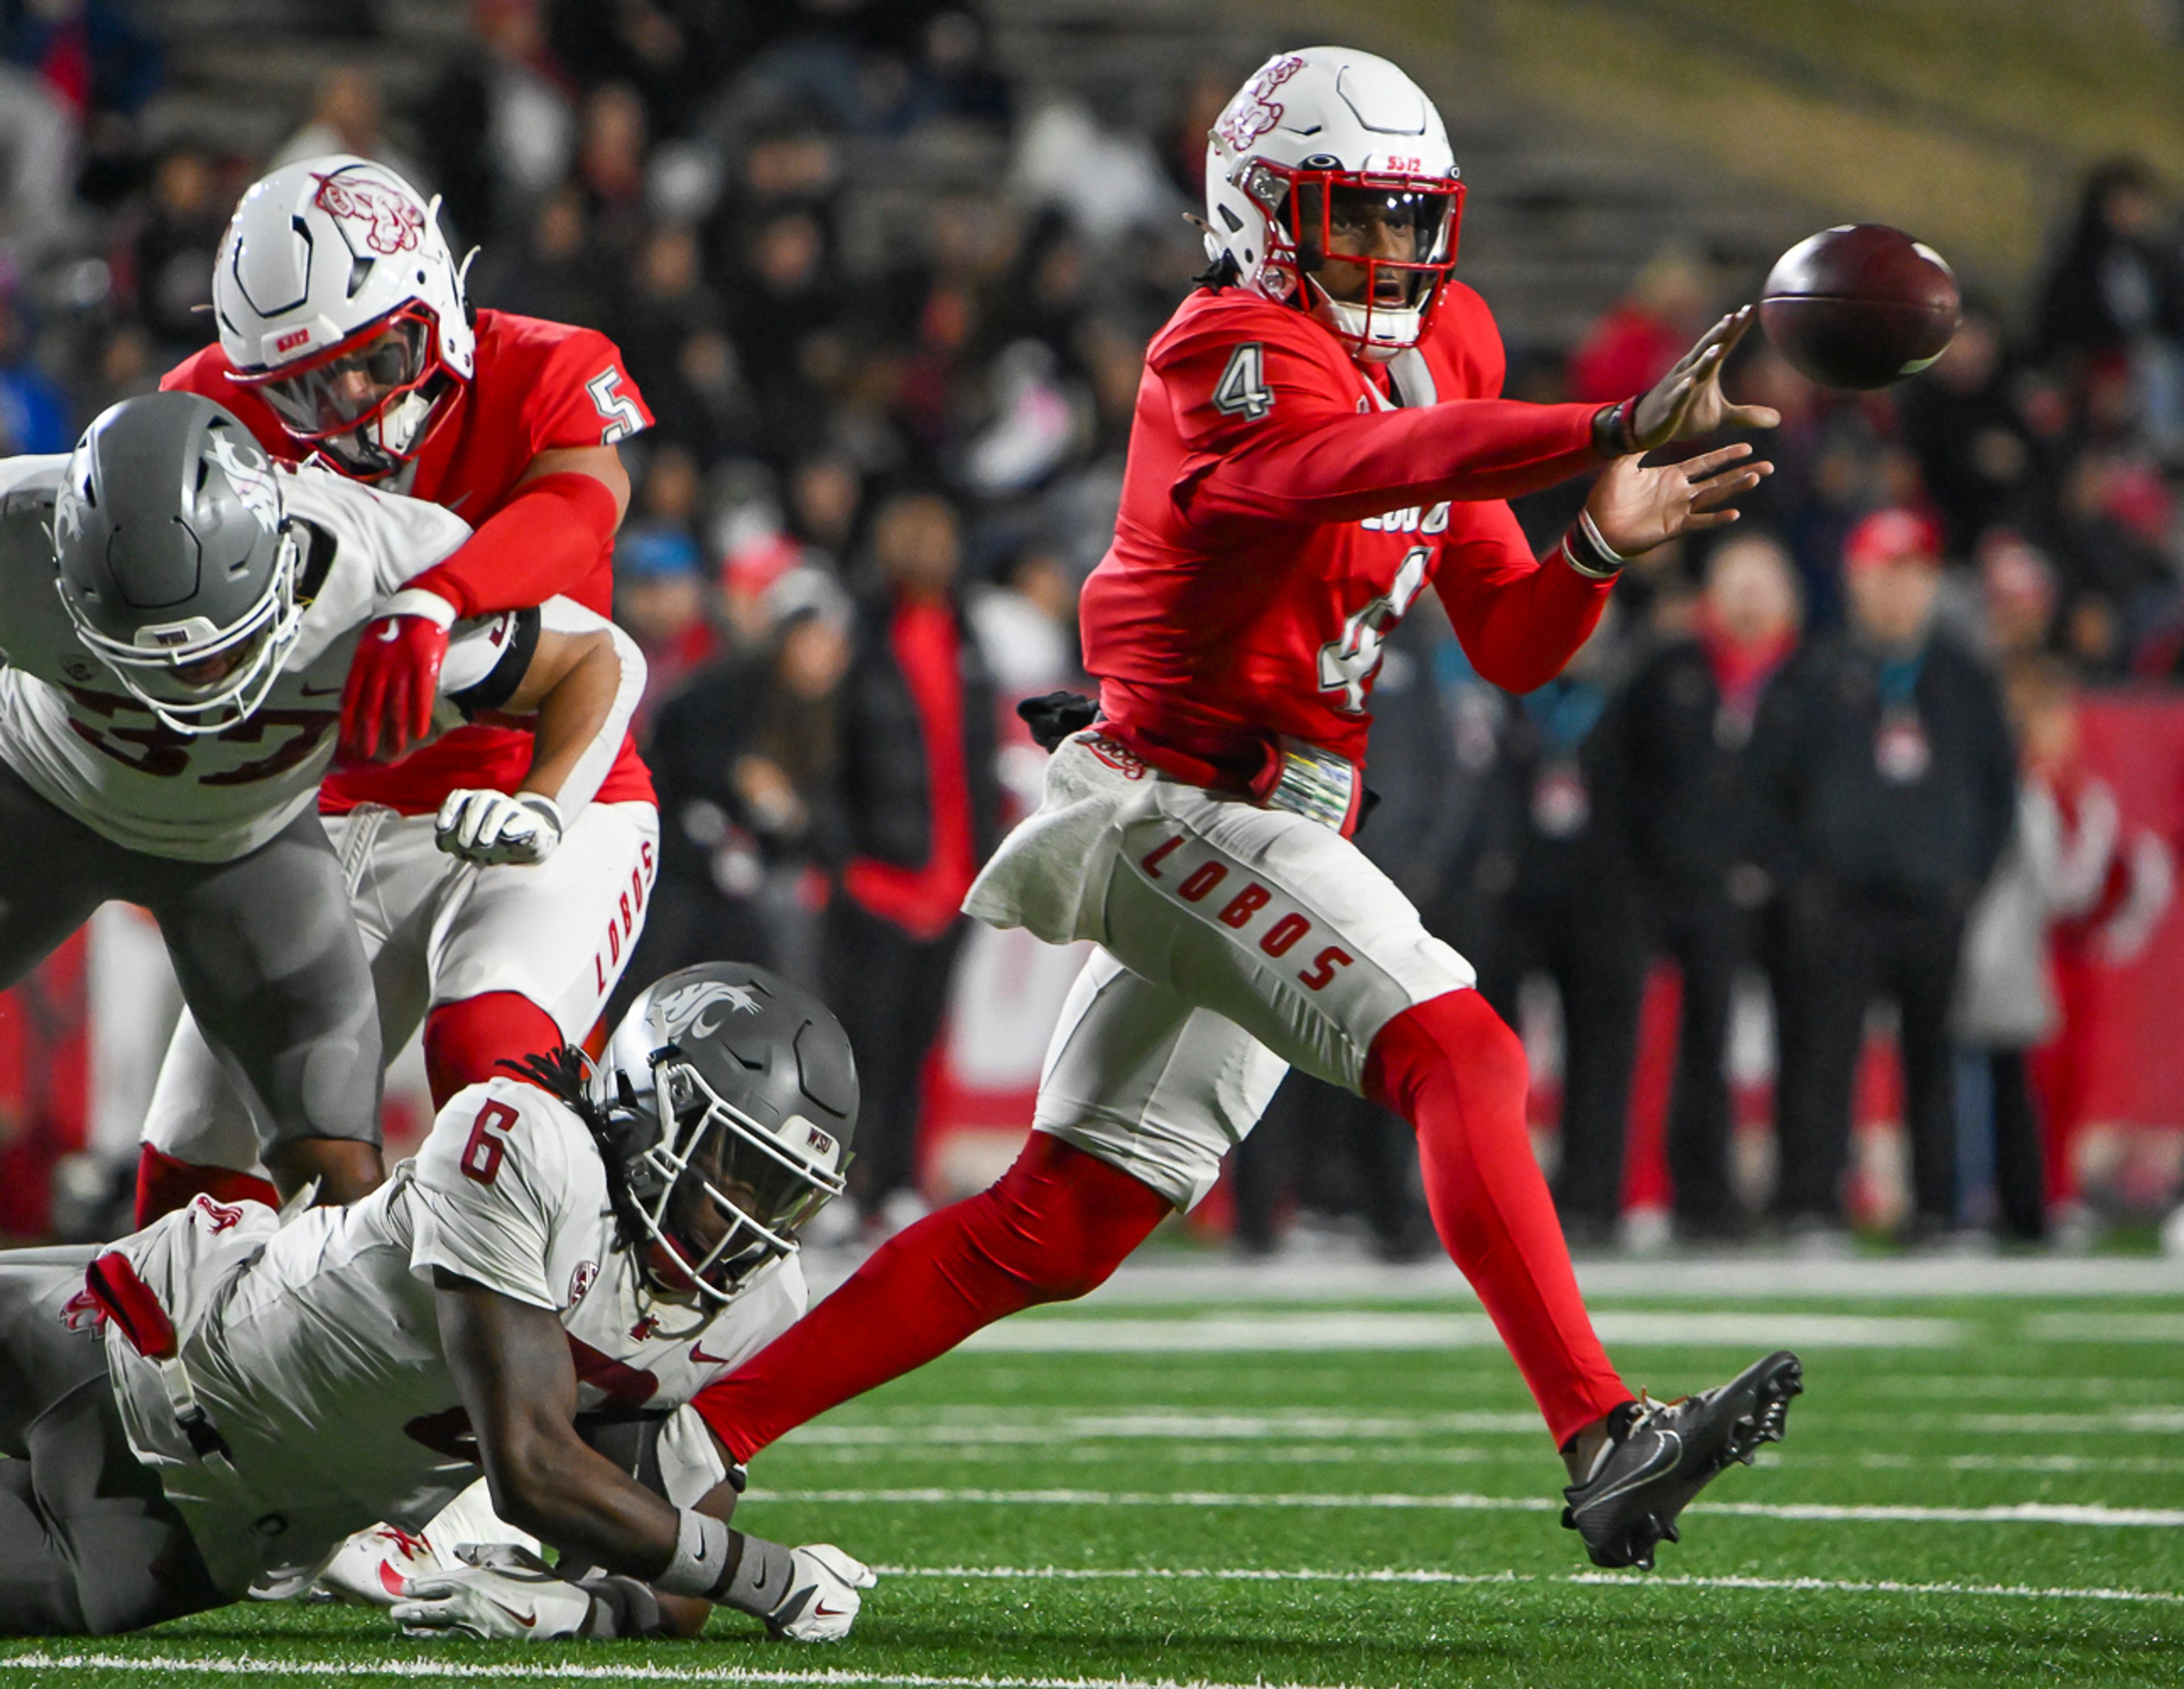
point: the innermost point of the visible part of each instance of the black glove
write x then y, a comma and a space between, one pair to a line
1057, 716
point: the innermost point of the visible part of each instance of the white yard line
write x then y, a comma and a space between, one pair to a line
1155, 1278
1429, 1575
2104, 1328
1179, 1426
2020, 1513
183, 1665
1285, 1333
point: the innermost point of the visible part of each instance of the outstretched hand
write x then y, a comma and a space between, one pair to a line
1636, 507
1688, 402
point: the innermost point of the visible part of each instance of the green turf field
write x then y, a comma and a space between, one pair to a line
1976, 1489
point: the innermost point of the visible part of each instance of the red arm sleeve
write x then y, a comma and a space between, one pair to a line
1520, 619
1346, 467
1271, 432
546, 539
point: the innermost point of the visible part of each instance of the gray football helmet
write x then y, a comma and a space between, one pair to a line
176, 563
744, 1097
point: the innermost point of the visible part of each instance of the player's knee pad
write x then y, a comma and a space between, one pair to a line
164, 1184
467, 1041
1060, 1221
1454, 1044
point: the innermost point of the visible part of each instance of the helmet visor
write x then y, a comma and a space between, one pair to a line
351, 384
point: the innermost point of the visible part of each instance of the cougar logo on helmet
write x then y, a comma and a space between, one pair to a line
251, 476
396, 224
1251, 114
678, 1012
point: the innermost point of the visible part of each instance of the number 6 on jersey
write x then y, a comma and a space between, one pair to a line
483, 1154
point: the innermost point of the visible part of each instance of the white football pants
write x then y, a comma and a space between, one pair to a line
1236, 942
440, 930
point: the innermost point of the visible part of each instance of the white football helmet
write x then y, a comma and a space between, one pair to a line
338, 300
1323, 138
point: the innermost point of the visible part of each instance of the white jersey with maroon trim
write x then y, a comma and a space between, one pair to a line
88, 748
317, 1359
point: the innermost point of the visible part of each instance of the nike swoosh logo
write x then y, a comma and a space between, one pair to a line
698, 1357
391, 1580
528, 1621
824, 1611
1671, 1450
390, 630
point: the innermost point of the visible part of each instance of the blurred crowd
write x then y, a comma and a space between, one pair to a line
889, 307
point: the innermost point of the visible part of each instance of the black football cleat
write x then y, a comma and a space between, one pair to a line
1660, 1455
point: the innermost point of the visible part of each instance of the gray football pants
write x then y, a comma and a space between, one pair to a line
89, 1544
265, 947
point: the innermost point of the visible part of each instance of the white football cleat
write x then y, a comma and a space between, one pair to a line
823, 1600
374, 1567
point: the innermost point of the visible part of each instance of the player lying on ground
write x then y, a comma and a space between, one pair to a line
168, 708
217, 1401
1317, 438
346, 338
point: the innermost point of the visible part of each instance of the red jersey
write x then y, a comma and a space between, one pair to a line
1281, 508
538, 387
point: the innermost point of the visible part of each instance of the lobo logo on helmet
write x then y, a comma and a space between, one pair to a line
679, 1010
396, 223
1251, 114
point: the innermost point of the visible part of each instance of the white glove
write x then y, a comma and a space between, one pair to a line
512, 1595
823, 1599
493, 827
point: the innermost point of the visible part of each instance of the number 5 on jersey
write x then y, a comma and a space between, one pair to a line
485, 1152
1242, 389
618, 411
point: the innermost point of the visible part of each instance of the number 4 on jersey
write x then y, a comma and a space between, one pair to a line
1242, 389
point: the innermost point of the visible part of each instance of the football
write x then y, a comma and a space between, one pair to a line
1860, 306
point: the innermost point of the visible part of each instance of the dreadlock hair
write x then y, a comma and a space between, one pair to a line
615, 1131
1223, 272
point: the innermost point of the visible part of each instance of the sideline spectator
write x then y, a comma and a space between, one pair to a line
922, 805
1570, 915
746, 760
498, 128
1676, 794
348, 115
2114, 297
1645, 332
2056, 868
1887, 785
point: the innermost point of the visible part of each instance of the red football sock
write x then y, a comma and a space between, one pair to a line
164, 1184
1455, 1072
466, 1042
1054, 1226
